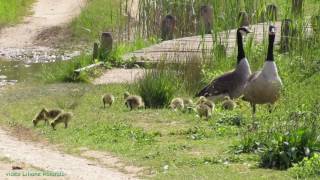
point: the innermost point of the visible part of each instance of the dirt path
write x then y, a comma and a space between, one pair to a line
117, 76
46, 158
19, 40
46, 14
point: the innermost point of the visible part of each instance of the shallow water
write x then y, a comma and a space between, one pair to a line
12, 72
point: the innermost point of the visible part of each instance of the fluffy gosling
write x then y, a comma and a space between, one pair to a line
45, 114
204, 110
177, 104
228, 104
134, 102
126, 95
188, 104
107, 99
204, 100
64, 117
42, 115
53, 113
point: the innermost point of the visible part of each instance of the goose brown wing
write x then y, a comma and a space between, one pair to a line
253, 76
220, 85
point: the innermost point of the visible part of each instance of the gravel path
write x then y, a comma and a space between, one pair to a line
52, 160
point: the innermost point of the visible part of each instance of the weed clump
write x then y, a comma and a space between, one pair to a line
307, 168
158, 86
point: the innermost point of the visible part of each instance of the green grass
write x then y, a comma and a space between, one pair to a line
12, 11
150, 138
97, 16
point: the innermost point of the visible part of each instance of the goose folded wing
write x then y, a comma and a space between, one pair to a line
222, 84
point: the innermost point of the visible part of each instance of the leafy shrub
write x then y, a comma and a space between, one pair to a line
301, 139
157, 86
233, 120
307, 167
250, 142
289, 148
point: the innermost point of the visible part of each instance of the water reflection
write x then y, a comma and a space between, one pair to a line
12, 72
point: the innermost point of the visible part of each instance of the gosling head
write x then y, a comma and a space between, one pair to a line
126, 95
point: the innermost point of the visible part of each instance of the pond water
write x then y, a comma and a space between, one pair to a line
12, 72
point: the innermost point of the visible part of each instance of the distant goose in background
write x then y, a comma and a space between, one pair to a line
263, 87
232, 83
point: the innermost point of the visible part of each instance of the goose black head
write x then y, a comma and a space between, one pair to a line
272, 30
244, 30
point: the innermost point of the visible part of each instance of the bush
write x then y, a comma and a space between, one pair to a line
158, 86
300, 140
307, 167
290, 148
63, 71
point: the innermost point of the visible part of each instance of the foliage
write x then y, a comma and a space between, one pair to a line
95, 17
157, 86
63, 71
12, 11
308, 167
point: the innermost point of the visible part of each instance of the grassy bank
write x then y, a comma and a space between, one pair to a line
12, 12
171, 144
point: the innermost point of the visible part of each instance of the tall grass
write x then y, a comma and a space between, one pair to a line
98, 16
63, 71
11, 11
158, 86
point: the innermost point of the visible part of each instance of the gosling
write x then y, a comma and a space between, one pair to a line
228, 104
177, 104
45, 114
188, 104
53, 113
204, 110
107, 99
64, 117
134, 102
204, 100
42, 115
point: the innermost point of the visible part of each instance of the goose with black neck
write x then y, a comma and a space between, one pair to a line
231, 83
263, 87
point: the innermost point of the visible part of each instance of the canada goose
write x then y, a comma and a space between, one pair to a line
107, 99
263, 87
134, 102
232, 83
228, 104
64, 117
177, 104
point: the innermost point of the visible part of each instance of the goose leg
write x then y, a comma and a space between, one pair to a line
253, 110
270, 108
254, 125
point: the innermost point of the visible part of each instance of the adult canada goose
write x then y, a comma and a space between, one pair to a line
232, 83
263, 87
